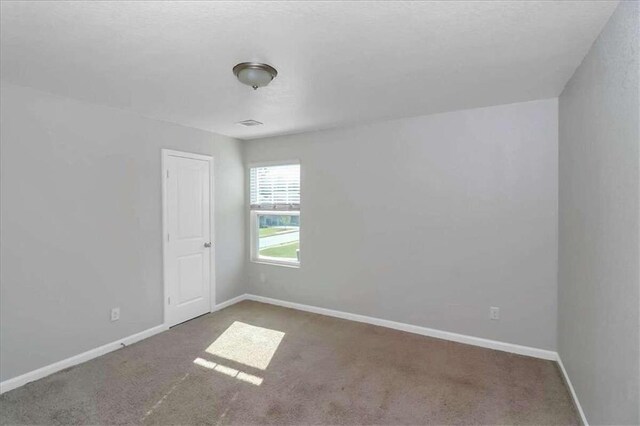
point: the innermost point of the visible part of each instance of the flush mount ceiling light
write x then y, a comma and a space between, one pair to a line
255, 74
249, 123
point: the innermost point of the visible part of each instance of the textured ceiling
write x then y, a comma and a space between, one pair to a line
338, 62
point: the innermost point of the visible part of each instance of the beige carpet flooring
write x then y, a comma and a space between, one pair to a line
253, 363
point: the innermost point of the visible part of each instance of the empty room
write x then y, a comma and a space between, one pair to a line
320, 212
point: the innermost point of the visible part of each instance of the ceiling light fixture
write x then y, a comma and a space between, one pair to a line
255, 74
249, 123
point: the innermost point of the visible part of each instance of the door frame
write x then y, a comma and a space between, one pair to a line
165, 154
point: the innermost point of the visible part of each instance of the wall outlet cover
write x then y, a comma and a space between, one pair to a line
494, 313
115, 314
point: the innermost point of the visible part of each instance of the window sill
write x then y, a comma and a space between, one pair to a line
274, 263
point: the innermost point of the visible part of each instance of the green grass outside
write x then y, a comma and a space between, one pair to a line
266, 232
284, 250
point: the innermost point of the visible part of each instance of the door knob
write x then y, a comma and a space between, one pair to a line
207, 245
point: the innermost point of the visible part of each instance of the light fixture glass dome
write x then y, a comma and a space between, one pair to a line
255, 74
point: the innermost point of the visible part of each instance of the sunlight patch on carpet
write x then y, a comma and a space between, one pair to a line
247, 344
231, 372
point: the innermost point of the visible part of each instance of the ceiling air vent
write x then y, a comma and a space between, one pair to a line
250, 123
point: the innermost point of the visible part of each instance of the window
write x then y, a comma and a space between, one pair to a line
275, 214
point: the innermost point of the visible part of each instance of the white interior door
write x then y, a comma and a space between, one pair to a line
188, 252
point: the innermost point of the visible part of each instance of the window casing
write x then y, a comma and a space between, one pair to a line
275, 214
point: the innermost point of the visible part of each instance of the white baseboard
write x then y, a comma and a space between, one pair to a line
229, 302
567, 380
23, 379
424, 331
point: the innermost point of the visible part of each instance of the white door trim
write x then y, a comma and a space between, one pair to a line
212, 276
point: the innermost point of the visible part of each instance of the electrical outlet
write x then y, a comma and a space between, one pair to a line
494, 313
115, 314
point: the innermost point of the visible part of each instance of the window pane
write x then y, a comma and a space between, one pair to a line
275, 185
279, 237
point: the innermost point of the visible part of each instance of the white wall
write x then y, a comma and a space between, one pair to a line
81, 224
429, 221
599, 273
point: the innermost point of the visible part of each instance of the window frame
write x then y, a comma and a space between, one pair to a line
254, 252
